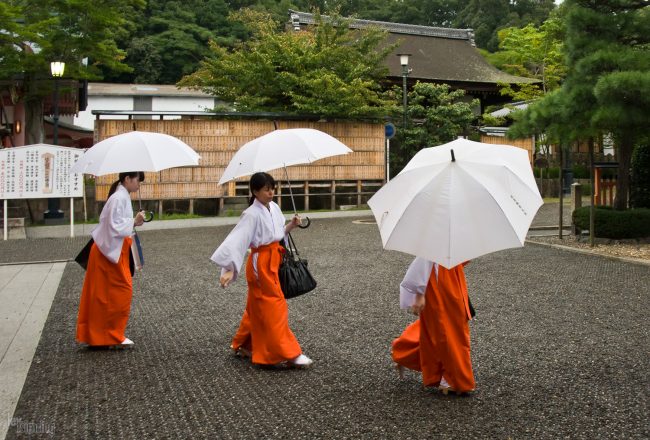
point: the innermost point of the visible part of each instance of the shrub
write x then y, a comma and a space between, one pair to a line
580, 171
609, 223
640, 174
549, 173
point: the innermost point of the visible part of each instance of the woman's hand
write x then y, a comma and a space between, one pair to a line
417, 307
295, 221
138, 220
226, 278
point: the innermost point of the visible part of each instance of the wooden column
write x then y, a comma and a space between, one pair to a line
160, 209
191, 206
279, 195
333, 196
359, 188
596, 188
306, 195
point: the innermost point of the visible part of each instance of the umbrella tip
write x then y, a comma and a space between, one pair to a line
453, 158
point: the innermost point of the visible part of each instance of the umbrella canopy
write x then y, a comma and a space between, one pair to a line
282, 148
458, 201
135, 151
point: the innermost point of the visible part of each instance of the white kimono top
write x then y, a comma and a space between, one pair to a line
115, 224
415, 281
257, 226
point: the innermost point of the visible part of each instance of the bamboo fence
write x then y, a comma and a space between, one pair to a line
216, 141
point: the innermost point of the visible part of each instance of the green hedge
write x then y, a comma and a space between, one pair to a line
579, 172
609, 223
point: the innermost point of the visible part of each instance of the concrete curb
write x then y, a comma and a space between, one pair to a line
63, 231
588, 252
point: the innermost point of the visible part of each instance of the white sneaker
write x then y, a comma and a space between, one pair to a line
302, 361
127, 343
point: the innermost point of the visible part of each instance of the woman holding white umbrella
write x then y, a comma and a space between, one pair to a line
108, 287
264, 332
437, 343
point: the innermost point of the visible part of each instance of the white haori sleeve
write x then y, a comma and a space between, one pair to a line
415, 281
280, 220
115, 224
231, 252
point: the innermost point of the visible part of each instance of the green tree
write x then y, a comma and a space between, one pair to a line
172, 37
532, 52
486, 17
64, 30
608, 84
437, 115
328, 70
640, 184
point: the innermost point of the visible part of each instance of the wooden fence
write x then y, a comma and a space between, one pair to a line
216, 141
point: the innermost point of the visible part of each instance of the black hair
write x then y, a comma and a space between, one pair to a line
122, 176
259, 181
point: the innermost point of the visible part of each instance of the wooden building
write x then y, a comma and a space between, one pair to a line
325, 184
438, 55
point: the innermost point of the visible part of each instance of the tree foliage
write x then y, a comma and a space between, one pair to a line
40, 31
532, 52
608, 82
328, 70
437, 115
486, 17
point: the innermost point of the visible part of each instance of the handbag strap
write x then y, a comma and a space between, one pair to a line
292, 246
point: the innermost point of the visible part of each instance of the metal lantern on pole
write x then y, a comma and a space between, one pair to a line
404, 61
57, 68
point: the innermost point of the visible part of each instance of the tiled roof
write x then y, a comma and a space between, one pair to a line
111, 89
396, 28
437, 54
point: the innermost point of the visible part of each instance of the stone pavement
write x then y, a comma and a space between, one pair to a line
26, 294
559, 346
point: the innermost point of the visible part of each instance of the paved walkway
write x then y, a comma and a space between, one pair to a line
26, 294
548, 349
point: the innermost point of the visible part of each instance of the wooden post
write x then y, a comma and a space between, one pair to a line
596, 188
191, 206
279, 194
306, 195
160, 209
221, 203
333, 196
359, 188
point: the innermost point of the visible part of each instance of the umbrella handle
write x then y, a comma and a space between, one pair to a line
307, 225
150, 214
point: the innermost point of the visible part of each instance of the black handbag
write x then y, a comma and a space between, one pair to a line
295, 278
84, 255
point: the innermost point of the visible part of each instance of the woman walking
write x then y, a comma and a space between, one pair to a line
107, 290
264, 332
437, 343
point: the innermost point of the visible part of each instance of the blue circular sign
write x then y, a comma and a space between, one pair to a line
389, 130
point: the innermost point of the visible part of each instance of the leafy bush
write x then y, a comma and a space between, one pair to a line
580, 171
549, 173
640, 174
609, 223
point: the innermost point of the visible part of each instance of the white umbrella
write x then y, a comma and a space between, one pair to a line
135, 151
458, 201
282, 148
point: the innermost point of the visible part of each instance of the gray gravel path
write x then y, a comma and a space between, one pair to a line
559, 346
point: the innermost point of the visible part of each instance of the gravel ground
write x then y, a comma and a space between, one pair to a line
559, 347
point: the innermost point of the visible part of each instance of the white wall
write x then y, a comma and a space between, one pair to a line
158, 103
182, 103
87, 120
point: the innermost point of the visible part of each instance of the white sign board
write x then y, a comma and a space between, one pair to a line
39, 171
